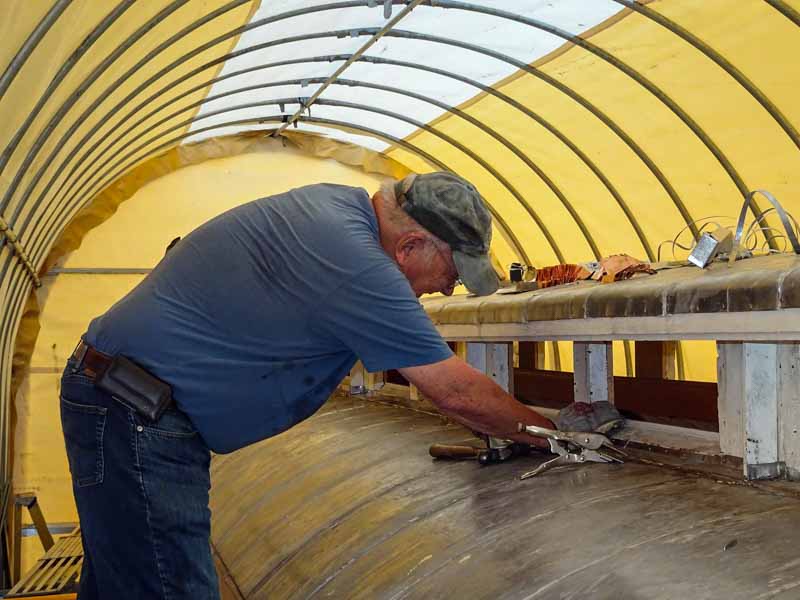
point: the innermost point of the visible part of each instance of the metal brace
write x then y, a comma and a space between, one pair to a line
785, 219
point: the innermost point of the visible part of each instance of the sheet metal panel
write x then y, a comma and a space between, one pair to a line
349, 505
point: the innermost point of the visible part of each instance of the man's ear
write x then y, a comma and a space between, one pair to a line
407, 245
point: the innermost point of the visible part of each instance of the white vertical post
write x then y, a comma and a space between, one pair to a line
730, 397
761, 411
358, 379
789, 408
496, 361
749, 389
594, 372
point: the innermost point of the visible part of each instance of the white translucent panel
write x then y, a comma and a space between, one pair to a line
519, 41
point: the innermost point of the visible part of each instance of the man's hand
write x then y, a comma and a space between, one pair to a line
473, 399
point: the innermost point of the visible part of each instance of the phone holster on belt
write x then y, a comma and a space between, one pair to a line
132, 385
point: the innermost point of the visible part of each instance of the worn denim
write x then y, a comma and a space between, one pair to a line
142, 494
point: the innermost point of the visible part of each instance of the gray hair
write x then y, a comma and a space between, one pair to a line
400, 218
397, 216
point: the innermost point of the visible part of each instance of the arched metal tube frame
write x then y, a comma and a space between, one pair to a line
346, 82
720, 61
93, 76
53, 228
786, 10
636, 76
420, 36
579, 99
30, 44
64, 70
19, 286
331, 58
393, 33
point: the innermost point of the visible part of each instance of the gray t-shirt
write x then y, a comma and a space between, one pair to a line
256, 316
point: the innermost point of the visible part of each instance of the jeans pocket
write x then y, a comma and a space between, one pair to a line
171, 424
83, 427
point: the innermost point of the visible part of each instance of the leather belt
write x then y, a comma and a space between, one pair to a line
91, 362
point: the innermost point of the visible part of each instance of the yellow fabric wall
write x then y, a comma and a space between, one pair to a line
135, 237
34, 212
751, 34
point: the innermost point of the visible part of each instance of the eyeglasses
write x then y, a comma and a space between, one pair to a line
457, 281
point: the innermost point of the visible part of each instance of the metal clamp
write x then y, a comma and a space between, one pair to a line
571, 448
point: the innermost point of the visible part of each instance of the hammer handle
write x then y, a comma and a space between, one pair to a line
456, 452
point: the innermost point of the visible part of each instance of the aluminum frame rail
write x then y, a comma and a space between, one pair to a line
30, 44
336, 74
350, 32
354, 83
786, 10
720, 61
61, 74
637, 76
272, 19
572, 146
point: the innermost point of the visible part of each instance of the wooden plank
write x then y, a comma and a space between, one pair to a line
730, 383
594, 372
656, 360
669, 360
532, 355
777, 325
683, 403
374, 381
495, 360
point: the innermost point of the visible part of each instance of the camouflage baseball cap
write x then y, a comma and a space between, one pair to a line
452, 209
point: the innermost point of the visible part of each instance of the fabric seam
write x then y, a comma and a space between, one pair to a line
143, 487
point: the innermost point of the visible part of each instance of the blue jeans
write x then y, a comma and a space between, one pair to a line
142, 494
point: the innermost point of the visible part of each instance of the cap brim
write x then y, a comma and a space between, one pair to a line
476, 273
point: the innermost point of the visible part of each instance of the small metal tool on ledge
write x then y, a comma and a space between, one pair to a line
572, 448
496, 451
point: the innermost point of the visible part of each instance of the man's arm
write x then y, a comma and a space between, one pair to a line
473, 399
